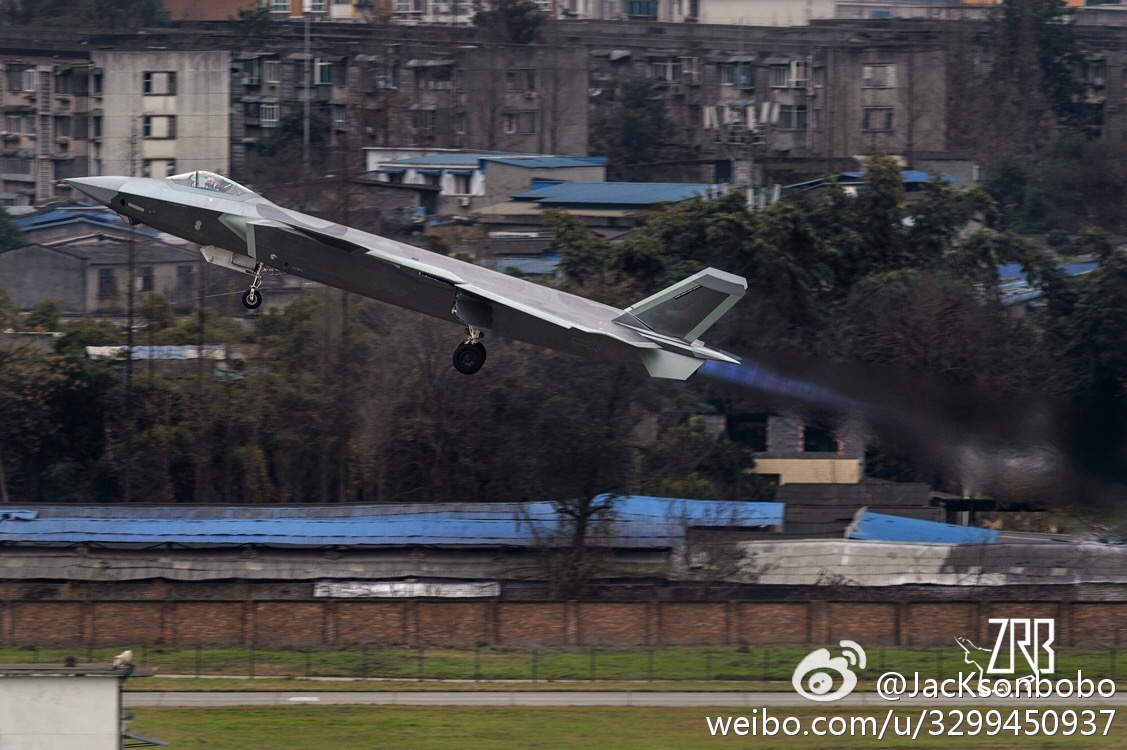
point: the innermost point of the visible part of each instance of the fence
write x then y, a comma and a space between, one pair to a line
734, 664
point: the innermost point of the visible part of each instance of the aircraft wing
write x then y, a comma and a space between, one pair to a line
663, 330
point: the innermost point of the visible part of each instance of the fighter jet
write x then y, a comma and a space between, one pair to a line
240, 229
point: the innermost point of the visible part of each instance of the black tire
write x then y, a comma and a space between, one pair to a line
468, 358
252, 299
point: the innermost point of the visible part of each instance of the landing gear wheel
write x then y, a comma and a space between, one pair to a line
252, 299
468, 358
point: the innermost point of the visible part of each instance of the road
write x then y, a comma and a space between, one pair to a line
563, 698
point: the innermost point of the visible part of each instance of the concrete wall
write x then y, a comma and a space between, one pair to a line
59, 713
317, 622
201, 105
34, 272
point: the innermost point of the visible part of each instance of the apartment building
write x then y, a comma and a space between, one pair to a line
162, 112
46, 104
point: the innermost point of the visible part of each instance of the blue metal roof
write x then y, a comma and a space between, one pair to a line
910, 176
639, 522
539, 266
71, 214
879, 527
1015, 288
616, 194
550, 162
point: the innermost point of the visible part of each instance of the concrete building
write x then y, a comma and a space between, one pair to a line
472, 180
45, 107
60, 707
91, 275
162, 113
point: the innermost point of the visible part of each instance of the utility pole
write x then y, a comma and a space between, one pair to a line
308, 94
130, 296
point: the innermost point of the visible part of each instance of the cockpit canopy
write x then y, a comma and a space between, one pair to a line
216, 183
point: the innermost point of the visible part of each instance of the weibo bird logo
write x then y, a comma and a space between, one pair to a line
814, 676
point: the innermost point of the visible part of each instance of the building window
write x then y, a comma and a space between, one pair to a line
324, 73
794, 75
62, 127
316, 6
878, 76
183, 278
159, 83
459, 122
424, 121
877, 118
462, 184
520, 80
818, 438
252, 72
30, 78
641, 8
107, 283
665, 68
741, 75
158, 126
340, 117
792, 117
279, 6
522, 122
271, 71
268, 115
145, 279
13, 123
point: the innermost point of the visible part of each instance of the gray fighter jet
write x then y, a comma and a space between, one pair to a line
240, 229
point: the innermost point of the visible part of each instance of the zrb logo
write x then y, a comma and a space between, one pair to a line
814, 676
1032, 638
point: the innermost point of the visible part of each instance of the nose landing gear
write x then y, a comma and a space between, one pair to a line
470, 354
252, 298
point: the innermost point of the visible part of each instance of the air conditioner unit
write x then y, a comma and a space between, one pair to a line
464, 201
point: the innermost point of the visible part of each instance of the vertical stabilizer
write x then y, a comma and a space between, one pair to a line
688, 308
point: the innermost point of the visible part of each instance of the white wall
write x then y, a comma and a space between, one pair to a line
59, 713
201, 106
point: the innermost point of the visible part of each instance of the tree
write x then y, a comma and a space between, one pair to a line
511, 21
10, 234
9, 313
629, 132
44, 316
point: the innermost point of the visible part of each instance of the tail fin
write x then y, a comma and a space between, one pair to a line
688, 308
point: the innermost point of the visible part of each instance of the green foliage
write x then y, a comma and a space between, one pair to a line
256, 21
44, 316
9, 313
290, 130
1097, 348
512, 21
630, 130
10, 235
86, 331
584, 256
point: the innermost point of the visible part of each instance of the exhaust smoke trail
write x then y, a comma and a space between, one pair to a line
1018, 448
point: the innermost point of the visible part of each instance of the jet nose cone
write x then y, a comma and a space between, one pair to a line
101, 189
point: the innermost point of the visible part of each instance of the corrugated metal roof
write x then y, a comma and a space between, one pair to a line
616, 193
639, 522
550, 162
871, 526
849, 562
473, 159
212, 564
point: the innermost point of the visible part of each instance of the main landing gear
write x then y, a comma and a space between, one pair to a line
470, 354
252, 298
